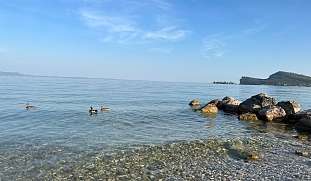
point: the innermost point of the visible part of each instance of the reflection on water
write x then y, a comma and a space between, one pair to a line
142, 113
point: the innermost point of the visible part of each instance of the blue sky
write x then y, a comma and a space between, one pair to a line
169, 40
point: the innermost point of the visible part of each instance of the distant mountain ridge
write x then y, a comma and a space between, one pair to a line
280, 78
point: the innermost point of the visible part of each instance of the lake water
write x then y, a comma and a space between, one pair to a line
142, 113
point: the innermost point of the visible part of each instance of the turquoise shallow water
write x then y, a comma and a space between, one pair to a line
142, 113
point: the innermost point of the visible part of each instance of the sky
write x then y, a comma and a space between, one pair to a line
164, 40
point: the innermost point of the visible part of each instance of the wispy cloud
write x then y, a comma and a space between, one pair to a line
163, 4
254, 29
215, 46
129, 26
113, 24
171, 33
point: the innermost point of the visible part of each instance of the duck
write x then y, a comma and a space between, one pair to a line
103, 109
92, 111
28, 106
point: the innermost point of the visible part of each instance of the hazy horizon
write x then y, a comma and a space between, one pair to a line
158, 40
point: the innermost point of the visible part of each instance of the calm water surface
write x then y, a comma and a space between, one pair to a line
142, 112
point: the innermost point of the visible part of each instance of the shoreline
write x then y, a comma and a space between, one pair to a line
263, 156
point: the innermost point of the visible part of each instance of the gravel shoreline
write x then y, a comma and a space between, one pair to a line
260, 157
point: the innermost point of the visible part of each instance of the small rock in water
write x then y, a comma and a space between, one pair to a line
302, 137
248, 117
229, 104
254, 156
195, 102
210, 109
302, 153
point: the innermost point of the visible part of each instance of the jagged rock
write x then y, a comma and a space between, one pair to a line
274, 113
195, 102
209, 109
229, 104
290, 107
256, 103
248, 117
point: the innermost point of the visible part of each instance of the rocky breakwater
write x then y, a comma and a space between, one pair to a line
261, 107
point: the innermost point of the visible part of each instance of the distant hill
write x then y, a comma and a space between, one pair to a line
11, 74
280, 79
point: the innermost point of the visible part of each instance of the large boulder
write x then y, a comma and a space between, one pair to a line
256, 103
274, 113
229, 104
209, 109
248, 117
290, 107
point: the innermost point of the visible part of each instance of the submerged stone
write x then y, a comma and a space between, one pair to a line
248, 117
302, 153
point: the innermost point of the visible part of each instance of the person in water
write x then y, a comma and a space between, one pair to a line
92, 111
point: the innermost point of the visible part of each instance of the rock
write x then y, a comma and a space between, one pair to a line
194, 102
242, 151
302, 153
217, 102
248, 117
302, 120
229, 104
304, 124
301, 137
256, 103
301, 114
253, 156
290, 107
209, 109
274, 113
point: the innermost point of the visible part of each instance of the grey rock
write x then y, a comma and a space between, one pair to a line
290, 107
256, 103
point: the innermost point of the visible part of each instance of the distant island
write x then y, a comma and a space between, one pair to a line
223, 82
279, 79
